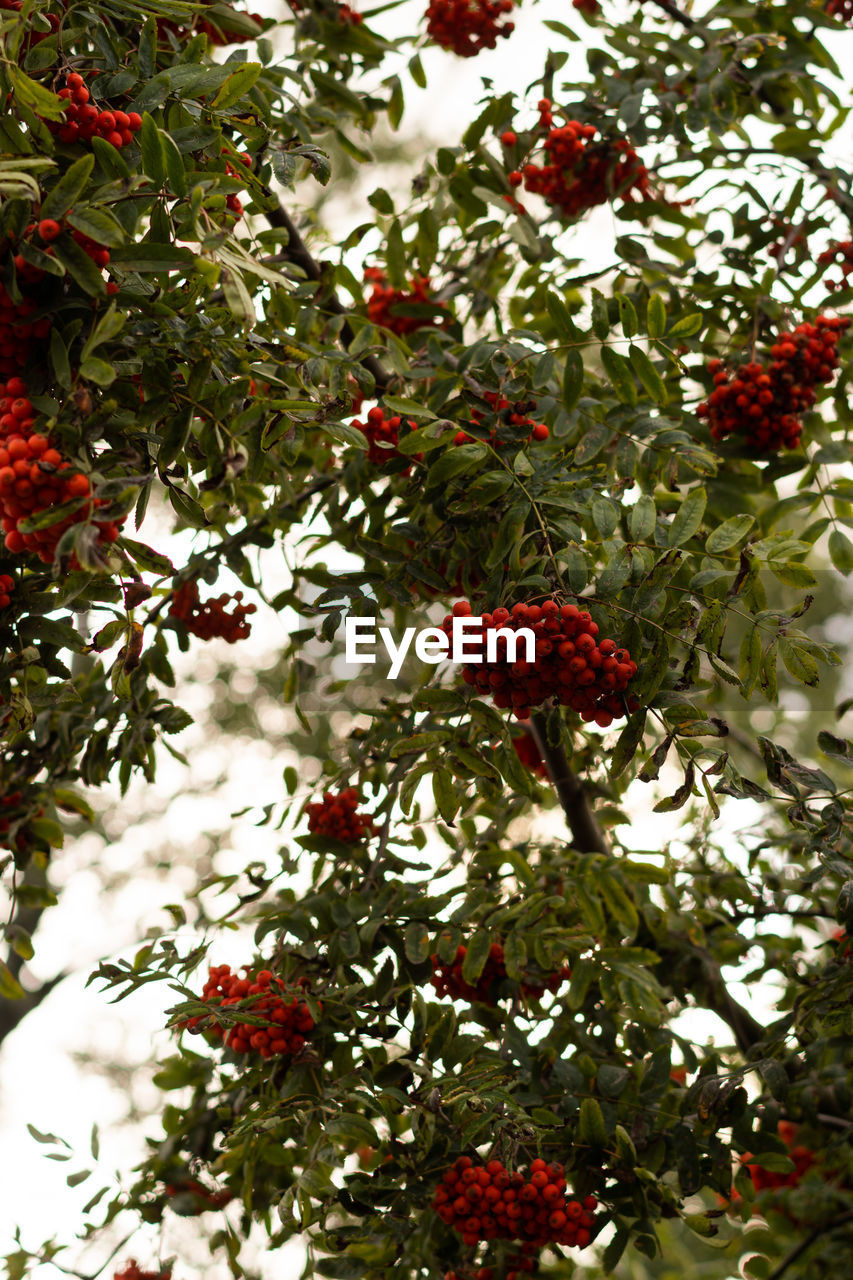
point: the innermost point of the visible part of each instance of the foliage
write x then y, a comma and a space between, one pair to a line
539, 433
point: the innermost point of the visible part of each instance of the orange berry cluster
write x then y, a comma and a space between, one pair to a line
84, 121
527, 750
448, 980
763, 403
195, 1191
34, 476
233, 202
841, 9
210, 619
513, 414
290, 1019
570, 666
465, 27
840, 252
581, 173
7, 584
384, 300
32, 37
516, 1267
340, 12
803, 1158
18, 331
383, 435
487, 1202
22, 838
132, 1271
336, 817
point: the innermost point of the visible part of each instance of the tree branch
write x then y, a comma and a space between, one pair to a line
297, 252
587, 836
813, 1235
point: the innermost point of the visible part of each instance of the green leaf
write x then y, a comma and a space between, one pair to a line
33, 95
476, 955
416, 942
68, 189
515, 956
98, 226
641, 522
656, 316
618, 369
688, 517
648, 374
456, 460
591, 1130
686, 326
841, 551
592, 442
728, 534
153, 153
572, 379
446, 799
629, 740
237, 85
799, 662
98, 371
10, 987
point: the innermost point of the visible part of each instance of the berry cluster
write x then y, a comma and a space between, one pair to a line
339, 12
84, 121
34, 476
763, 403
448, 980
384, 300
195, 1197
32, 37
336, 817
841, 9
487, 1202
589, 7
132, 1271
19, 332
467, 26
841, 253
516, 1267
383, 435
233, 202
527, 750
22, 839
289, 1018
803, 1158
570, 666
7, 584
509, 413
581, 172
210, 619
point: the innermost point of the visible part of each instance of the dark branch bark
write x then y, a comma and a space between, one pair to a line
297, 252
587, 835
14, 1011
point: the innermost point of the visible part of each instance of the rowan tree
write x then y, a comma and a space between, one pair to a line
458, 1045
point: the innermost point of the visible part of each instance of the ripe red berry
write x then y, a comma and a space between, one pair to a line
49, 229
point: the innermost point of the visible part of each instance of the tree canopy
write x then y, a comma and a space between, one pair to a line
462, 1045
